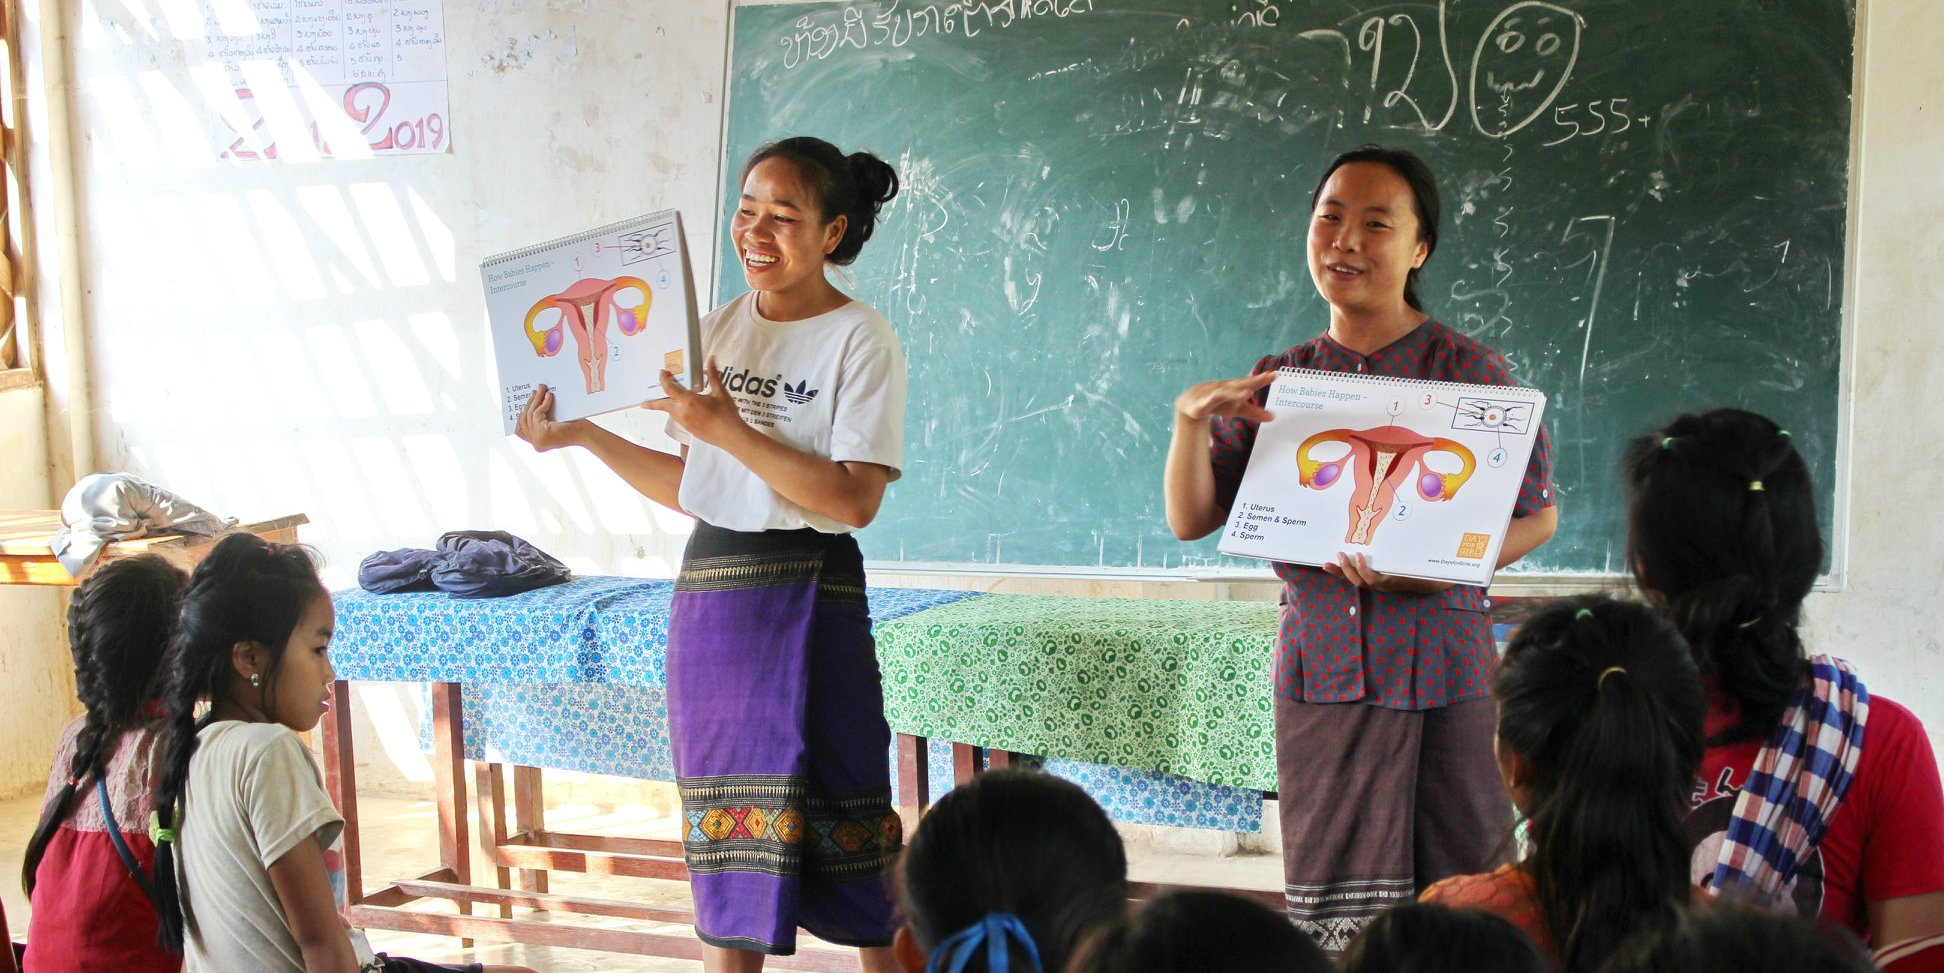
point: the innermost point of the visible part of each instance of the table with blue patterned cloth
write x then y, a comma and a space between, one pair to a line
572, 677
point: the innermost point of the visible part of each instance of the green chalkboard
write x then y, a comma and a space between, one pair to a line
1106, 200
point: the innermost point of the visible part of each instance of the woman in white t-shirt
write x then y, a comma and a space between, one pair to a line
775, 708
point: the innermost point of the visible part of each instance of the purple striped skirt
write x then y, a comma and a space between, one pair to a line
776, 713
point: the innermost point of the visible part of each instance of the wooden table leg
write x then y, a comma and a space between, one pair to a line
449, 774
489, 779
914, 773
529, 817
965, 763
341, 780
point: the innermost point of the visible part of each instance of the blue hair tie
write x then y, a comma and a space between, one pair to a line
951, 955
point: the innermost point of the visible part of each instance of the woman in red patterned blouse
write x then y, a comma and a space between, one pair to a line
1383, 728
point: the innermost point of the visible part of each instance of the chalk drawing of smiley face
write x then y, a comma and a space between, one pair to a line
1522, 63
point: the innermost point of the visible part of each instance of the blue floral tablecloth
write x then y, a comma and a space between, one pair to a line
571, 678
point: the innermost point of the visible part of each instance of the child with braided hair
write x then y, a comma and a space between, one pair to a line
1815, 794
243, 864
86, 869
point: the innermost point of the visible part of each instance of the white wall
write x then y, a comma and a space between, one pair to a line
1890, 620
307, 336
35, 667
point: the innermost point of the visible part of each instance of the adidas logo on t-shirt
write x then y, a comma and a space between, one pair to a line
799, 393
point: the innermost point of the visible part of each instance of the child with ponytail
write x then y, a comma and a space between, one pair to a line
1816, 795
1600, 713
88, 862
245, 828
1008, 874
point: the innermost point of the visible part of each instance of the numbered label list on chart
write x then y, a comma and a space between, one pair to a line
1418, 477
308, 79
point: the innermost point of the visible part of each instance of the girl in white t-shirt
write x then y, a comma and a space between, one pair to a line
246, 874
775, 708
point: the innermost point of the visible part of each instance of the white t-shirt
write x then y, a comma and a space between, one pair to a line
253, 793
832, 385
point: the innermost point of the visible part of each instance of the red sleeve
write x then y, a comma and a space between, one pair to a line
1903, 803
1924, 955
1536, 490
1230, 441
1507, 893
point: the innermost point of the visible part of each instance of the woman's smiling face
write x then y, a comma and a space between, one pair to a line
780, 230
1363, 238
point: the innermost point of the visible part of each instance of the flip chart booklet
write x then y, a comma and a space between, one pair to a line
595, 317
1418, 476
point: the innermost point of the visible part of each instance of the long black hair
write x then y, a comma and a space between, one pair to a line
853, 186
247, 590
1721, 532
1203, 932
1019, 842
120, 622
1424, 937
1604, 709
1424, 199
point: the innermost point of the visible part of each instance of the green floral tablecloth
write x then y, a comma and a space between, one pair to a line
1181, 687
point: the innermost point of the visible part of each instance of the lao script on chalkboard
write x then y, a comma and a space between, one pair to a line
312, 79
1420, 477
596, 317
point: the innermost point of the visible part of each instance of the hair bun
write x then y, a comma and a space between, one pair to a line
877, 183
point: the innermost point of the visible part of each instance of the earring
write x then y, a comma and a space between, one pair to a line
256, 681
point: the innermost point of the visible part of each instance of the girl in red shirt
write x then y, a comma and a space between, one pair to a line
1722, 534
90, 908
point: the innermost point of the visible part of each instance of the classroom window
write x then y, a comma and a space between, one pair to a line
12, 309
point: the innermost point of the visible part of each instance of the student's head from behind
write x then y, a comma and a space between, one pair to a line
1735, 936
1601, 718
120, 622
1373, 223
1424, 938
1015, 856
1721, 533
804, 203
1202, 932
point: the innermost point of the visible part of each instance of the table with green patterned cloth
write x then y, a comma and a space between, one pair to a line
1181, 687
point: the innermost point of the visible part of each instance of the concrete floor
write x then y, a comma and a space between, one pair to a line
400, 840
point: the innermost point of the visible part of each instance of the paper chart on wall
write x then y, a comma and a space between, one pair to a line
595, 317
1419, 476
307, 79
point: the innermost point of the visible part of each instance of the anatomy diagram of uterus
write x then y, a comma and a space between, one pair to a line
1380, 460
586, 308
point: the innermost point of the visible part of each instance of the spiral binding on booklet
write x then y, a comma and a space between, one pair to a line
573, 238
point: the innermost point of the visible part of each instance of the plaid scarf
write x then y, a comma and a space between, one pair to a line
1799, 779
